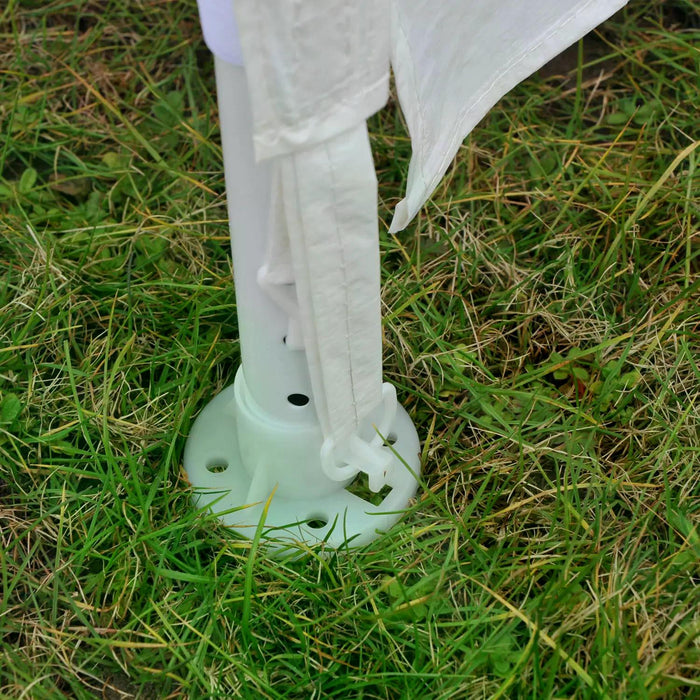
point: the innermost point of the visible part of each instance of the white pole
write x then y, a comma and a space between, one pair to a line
272, 371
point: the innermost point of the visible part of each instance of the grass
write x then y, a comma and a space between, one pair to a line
542, 327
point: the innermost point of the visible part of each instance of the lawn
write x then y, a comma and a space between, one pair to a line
541, 325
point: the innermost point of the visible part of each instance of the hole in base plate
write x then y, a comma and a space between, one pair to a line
360, 488
316, 522
391, 439
298, 399
217, 466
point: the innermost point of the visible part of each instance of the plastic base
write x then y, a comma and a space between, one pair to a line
236, 457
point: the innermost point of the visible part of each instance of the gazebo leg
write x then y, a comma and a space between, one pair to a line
254, 452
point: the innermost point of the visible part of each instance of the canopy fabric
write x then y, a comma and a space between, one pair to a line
453, 60
318, 67
316, 70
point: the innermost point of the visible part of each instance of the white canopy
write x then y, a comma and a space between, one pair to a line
316, 70
319, 67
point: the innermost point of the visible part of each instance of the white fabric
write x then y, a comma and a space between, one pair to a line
316, 70
329, 237
453, 60
318, 67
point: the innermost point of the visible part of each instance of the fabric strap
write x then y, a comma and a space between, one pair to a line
323, 237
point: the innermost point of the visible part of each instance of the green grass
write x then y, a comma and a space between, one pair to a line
541, 324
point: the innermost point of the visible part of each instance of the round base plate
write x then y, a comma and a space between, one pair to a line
221, 483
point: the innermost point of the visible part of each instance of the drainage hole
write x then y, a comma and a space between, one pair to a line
217, 466
316, 522
298, 399
391, 438
284, 340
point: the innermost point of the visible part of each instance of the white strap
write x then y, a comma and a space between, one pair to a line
322, 268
